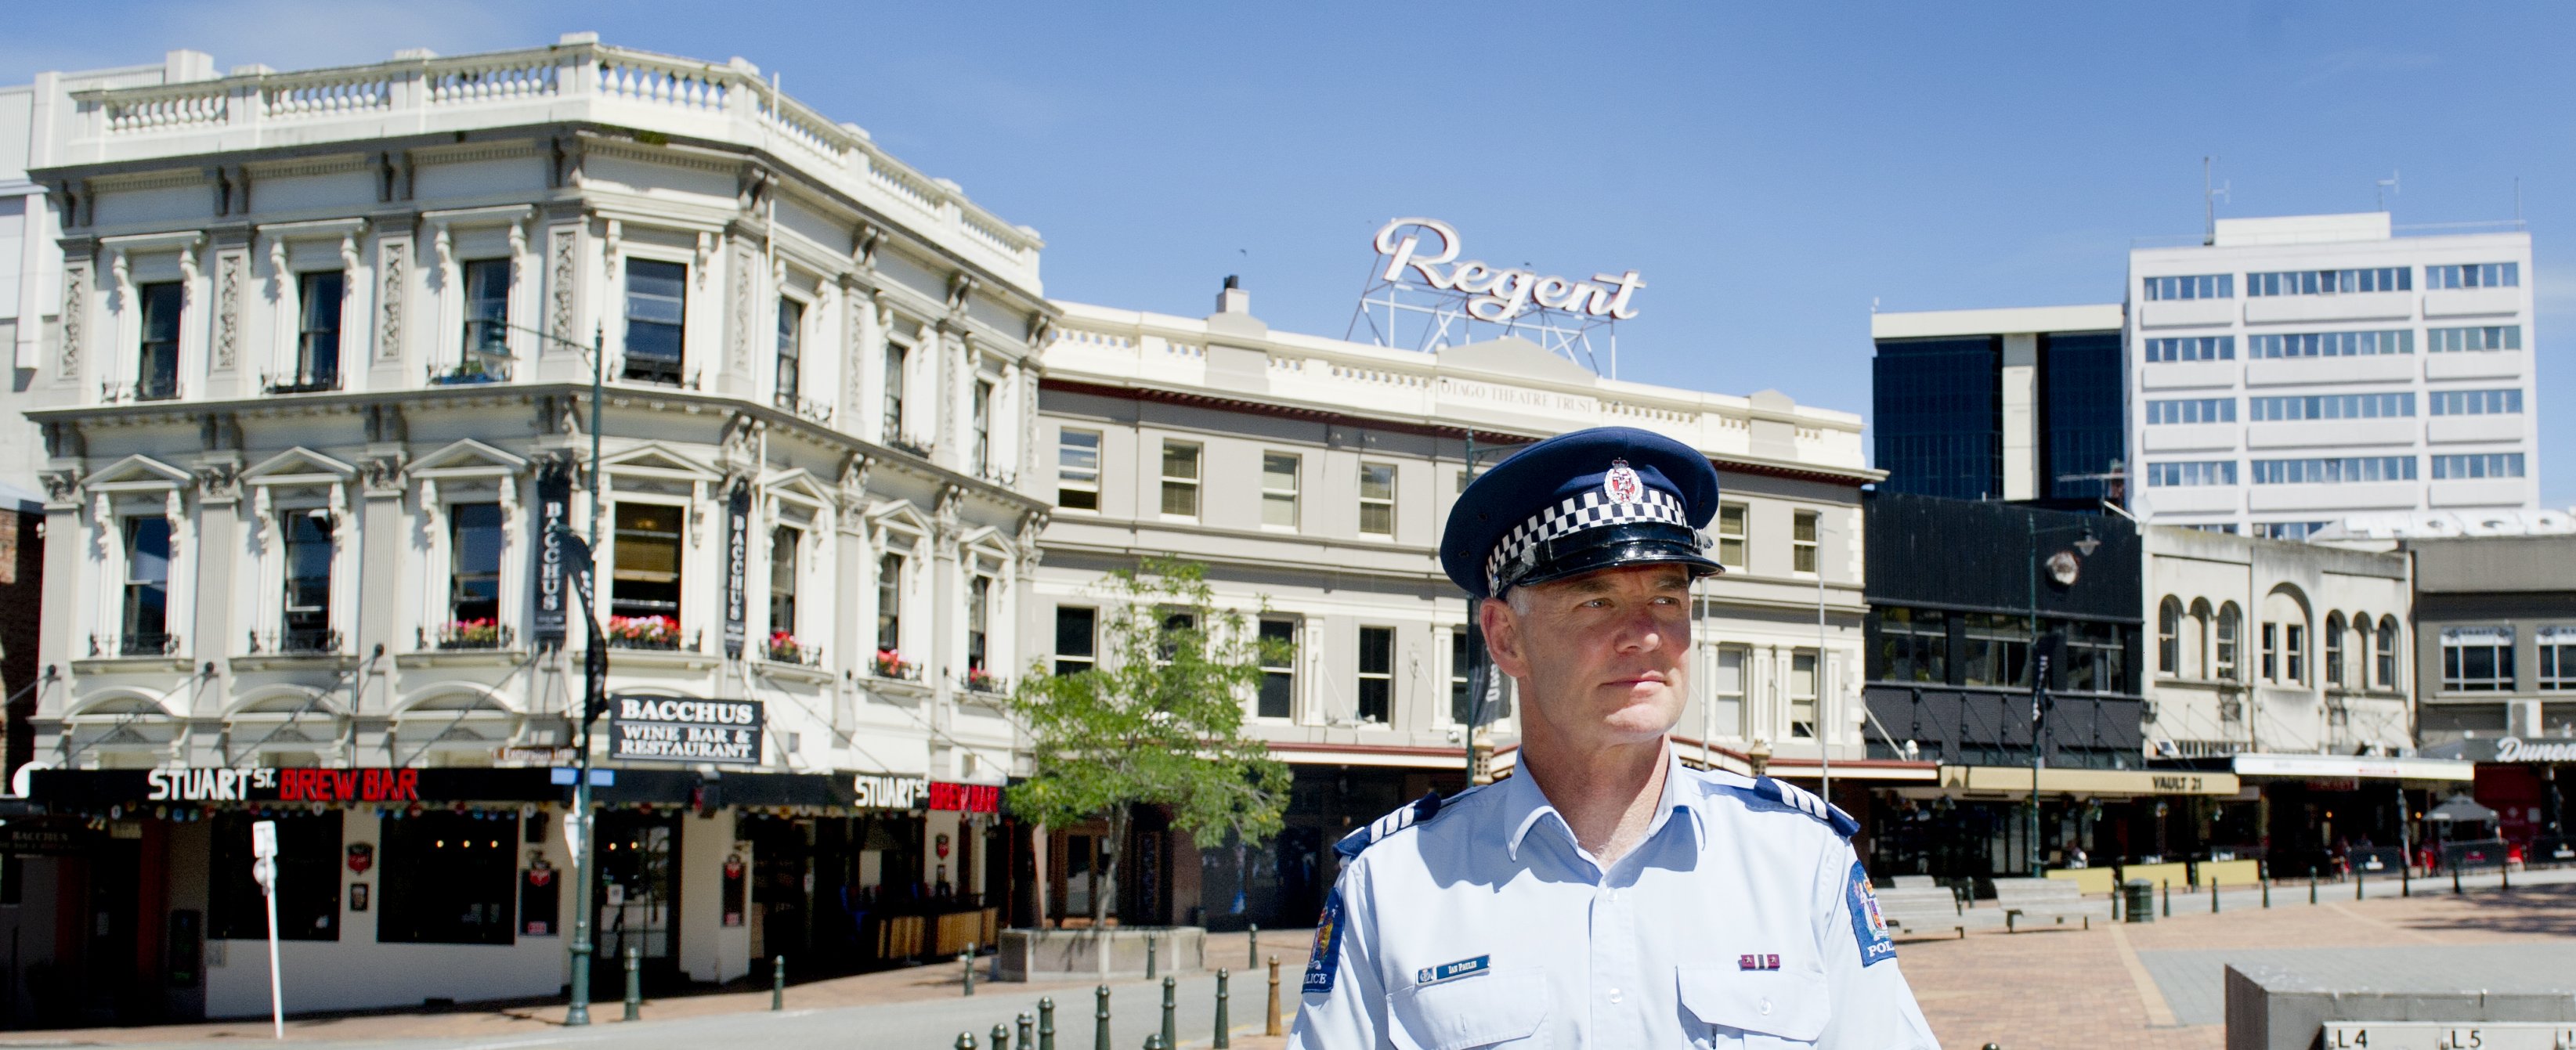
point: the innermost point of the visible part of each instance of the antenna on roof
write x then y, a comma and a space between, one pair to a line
2387, 187
2209, 201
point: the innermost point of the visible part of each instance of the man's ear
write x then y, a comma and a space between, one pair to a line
1503, 637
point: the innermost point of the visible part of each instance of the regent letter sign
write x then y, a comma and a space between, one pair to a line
1496, 293
685, 729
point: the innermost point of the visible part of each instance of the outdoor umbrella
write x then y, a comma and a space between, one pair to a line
2460, 809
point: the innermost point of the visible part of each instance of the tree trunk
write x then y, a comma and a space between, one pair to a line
1108, 881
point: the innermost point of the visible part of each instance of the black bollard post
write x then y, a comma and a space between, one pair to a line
965, 1041
1100, 1017
2406, 878
2455, 880
2168, 898
634, 983
2504, 873
1154, 1041
1149, 956
966, 962
1002, 1037
1222, 1043
1171, 1030
1252, 947
1046, 1023
2267, 891
778, 983
2357, 880
2213, 896
1025, 1042
2312, 885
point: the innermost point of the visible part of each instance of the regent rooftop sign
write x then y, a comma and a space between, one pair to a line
1494, 293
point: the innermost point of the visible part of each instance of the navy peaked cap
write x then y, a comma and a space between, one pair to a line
1581, 502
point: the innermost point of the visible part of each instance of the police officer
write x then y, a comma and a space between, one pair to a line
1604, 895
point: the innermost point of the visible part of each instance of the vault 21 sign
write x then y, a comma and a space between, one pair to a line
1496, 293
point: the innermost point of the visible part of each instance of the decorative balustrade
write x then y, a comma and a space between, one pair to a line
156, 109
643, 78
140, 643
494, 81
296, 641
308, 96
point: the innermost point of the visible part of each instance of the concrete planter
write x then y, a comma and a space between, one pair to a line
1114, 953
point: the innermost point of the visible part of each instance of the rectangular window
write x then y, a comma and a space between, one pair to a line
2330, 282
1279, 490
1181, 479
979, 622
645, 584
1377, 499
2460, 340
895, 356
2231, 628
1462, 704
308, 878
2329, 406
317, 335
307, 626
2192, 472
657, 295
1726, 694
2383, 656
2196, 410
1377, 674
2473, 275
1913, 646
2271, 658
156, 373
1077, 639
2346, 471
1802, 542
2200, 286
2477, 659
473, 573
1077, 469
982, 420
890, 604
487, 310
2334, 633
785, 543
2557, 658
2096, 657
2192, 348
2476, 402
449, 878
791, 353
2332, 344
1731, 535
1997, 652
2477, 465
1278, 669
147, 587
1802, 695
2294, 652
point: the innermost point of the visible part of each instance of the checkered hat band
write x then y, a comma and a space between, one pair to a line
1590, 510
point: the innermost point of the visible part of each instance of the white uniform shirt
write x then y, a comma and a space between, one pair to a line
1741, 919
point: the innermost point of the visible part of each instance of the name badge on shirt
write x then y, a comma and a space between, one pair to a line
1451, 971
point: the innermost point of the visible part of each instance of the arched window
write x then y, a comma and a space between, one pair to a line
2195, 657
2334, 649
2383, 671
2231, 630
2285, 641
2169, 637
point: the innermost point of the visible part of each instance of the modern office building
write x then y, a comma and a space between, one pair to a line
1312, 476
318, 422
2290, 371
2013, 404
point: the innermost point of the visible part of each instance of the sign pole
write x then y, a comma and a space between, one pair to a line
263, 869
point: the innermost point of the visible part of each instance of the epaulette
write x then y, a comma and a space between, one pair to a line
1790, 796
1422, 809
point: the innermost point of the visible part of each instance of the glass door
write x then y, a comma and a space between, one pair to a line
637, 897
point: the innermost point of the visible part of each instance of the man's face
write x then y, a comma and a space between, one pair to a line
1600, 657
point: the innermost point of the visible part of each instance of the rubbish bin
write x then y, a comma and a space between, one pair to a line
2138, 900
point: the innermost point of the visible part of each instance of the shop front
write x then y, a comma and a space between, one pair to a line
2330, 815
1972, 823
2527, 782
399, 886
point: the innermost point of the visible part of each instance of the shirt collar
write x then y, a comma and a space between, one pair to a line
1525, 805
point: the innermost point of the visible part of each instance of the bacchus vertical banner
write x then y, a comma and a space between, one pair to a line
737, 565
551, 583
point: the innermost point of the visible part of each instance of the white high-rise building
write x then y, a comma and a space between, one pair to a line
2290, 371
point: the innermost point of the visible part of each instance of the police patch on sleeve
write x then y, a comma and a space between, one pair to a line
1324, 960
1869, 926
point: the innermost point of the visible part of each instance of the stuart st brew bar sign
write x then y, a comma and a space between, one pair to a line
680, 729
1495, 293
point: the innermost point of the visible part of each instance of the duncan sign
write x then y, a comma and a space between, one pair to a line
682, 729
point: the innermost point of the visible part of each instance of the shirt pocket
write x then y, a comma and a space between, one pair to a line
1755, 1009
1498, 1008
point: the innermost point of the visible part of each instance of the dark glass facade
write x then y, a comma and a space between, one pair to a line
1938, 416
2080, 411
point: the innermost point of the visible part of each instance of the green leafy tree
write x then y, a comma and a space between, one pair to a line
1159, 721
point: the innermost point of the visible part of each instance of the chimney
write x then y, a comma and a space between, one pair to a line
1233, 300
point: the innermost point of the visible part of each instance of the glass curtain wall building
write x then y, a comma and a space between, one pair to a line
2000, 404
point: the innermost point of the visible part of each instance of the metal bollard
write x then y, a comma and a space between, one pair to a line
1150, 944
2406, 879
1046, 1023
2267, 891
1155, 1042
2455, 880
1100, 1017
1171, 1030
1270, 1024
1252, 947
1222, 1042
2312, 885
634, 983
1002, 1037
1025, 1042
2504, 876
966, 962
2168, 898
2213, 896
2357, 879
965, 1041
778, 983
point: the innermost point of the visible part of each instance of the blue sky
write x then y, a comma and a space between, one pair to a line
1771, 169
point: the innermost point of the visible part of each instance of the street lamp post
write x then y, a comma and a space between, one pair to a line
2031, 532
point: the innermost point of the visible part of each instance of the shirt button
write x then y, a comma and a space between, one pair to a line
1615, 997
